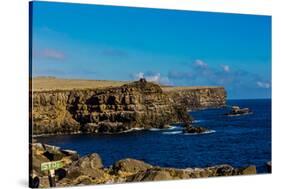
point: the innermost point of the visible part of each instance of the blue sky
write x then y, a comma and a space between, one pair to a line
179, 48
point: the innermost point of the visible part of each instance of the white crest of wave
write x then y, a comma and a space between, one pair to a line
197, 121
172, 132
168, 128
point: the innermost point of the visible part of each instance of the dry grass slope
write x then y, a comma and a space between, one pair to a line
52, 83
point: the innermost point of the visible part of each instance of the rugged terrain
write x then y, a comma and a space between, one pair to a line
90, 170
113, 109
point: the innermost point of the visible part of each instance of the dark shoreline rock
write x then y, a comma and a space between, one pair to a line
89, 169
269, 166
195, 130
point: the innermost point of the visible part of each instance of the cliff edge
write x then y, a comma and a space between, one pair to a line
136, 105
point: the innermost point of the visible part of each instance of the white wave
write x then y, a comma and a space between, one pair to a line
172, 132
172, 128
155, 129
197, 121
133, 129
163, 129
206, 132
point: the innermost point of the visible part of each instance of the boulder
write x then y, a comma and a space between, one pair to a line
90, 165
53, 153
90, 170
80, 180
37, 160
250, 170
151, 175
130, 165
223, 170
89, 161
44, 153
74, 172
269, 167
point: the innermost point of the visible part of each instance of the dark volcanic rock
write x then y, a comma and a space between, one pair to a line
269, 167
198, 130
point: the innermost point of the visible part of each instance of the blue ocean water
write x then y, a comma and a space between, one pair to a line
235, 140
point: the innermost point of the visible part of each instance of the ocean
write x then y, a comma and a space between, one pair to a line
236, 140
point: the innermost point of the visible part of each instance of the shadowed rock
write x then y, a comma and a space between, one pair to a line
269, 166
198, 130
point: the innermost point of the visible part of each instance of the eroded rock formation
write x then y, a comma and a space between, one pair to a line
90, 170
139, 104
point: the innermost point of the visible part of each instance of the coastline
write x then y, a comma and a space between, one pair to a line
89, 169
138, 104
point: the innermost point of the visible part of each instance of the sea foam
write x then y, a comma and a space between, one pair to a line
172, 132
164, 129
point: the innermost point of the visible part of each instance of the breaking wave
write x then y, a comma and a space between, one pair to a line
169, 128
172, 132
198, 121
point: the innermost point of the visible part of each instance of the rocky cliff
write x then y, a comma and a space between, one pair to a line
194, 98
136, 105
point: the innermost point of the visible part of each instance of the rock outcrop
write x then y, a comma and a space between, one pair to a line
236, 111
90, 170
269, 166
195, 130
139, 104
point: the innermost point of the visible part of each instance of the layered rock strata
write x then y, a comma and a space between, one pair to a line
136, 105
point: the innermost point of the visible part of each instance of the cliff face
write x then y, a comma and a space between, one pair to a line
198, 98
110, 110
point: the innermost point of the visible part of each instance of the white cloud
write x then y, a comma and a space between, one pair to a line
200, 63
156, 78
263, 84
153, 78
139, 75
49, 53
225, 68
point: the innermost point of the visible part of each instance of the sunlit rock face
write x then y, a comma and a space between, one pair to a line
138, 105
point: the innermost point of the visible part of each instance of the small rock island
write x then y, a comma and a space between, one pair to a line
236, 111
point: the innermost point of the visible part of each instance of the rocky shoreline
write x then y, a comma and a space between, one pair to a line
139, 104
89, 169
